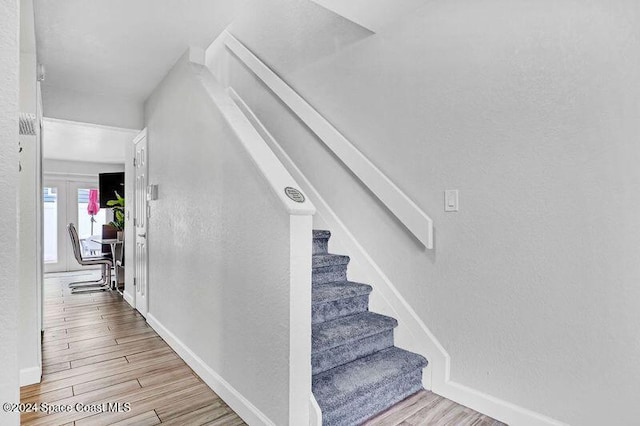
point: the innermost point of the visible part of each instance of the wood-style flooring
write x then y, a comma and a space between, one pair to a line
97, 349
428, 409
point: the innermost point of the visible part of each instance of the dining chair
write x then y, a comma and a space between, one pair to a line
96, 285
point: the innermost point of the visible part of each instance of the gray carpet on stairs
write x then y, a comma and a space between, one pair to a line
357, 371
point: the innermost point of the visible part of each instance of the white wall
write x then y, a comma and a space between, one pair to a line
530, 110
30, 260
65, 104
9, 104
27, 228
65, 167
76, 141
219, 261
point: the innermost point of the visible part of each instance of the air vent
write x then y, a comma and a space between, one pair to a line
27, 124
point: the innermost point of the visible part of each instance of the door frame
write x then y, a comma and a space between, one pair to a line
134, 213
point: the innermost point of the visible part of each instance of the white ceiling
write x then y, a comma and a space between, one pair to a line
121, 48
68, 140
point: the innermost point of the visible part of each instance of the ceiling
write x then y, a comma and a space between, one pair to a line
121, 48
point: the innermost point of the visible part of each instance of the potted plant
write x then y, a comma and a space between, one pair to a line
117, 206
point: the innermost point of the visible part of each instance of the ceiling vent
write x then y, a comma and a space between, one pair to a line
27, 124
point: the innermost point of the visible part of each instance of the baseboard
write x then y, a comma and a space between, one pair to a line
494, 407
411, 333
128, 298
315, 413
30, 376
242, 406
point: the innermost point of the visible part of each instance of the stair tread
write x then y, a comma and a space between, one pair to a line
338, 386
338, 290
343, 330
328, 259
321, 233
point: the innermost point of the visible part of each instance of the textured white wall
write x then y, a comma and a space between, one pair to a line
218, 246
9, 104
530, 109
29, 335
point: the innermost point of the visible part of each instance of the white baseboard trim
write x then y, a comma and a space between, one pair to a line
411, 333
494, 407
30, 376
242, 406
315, 413
129, 299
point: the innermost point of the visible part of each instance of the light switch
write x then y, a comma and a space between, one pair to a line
451, 200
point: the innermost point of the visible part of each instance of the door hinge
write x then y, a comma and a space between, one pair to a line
135, 221
134, 162
134, 281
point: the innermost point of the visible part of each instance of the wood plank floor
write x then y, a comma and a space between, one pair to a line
97, 349
428, 409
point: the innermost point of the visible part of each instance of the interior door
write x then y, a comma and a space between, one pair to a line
140, 222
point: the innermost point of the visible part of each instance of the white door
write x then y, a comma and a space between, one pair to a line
65, 201
140, 222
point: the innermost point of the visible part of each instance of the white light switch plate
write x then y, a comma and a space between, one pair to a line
451, 201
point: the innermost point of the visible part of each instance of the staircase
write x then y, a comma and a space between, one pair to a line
357, 371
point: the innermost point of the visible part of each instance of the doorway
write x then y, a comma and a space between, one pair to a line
141, 216
65, 200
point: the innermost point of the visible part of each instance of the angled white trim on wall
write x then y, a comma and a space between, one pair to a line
273, 171
301, 211
411, 333
238, 403
398, 203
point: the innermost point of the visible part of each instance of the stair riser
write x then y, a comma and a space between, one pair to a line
329, 274
351, 351
320, 245
339, 308
373, 402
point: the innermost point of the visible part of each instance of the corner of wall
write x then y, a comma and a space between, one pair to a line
30, 375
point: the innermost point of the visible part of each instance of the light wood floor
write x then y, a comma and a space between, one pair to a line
97, 349
428, 409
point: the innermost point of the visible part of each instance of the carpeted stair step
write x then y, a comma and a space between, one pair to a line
357, 391
321, 241
346, 339
328, 268
338, 299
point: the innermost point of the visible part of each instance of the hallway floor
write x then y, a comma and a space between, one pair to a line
97, 349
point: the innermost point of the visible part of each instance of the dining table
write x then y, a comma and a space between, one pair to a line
116, 250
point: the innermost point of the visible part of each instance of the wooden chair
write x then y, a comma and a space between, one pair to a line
106, 263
